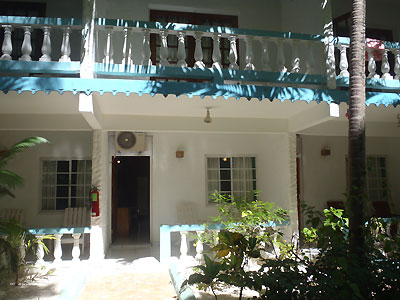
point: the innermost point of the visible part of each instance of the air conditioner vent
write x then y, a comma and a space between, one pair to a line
128, 141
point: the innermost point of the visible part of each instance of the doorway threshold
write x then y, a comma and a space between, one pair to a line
128, 242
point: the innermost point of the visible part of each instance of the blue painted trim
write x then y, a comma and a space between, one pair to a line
346, 41
177, 279
59, 230
216, 76
211, 29
373, 83
51, 67
140, 87
165, 234
40, 21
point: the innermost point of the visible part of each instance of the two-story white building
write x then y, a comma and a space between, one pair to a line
160, 103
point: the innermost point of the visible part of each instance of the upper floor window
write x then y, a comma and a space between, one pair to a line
207, 42
65, 183
235, 176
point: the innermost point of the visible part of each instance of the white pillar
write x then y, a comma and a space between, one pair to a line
265, 55
199, 248
181, 54
249, 53
397, 63
198, 51
100, 231
7, 44
343, 65
371, 64
280, 60
233, 53
57, 248
26, 47
146, 48
46, 46
385, 65
164, 48
125, 47
216, 55
184, 247
65, 45
108, 49
295, 57
76, 252
39, 252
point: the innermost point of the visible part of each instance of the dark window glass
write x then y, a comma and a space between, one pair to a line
62, 179
62, 166
62, 191
74, 166
225, 175
61, 203
225, 186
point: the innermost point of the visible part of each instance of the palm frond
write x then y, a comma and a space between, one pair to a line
10, 179
21, 146
4, 191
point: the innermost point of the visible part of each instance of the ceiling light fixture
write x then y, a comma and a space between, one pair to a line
208, 119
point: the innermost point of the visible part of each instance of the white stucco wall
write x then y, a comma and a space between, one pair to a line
324, 177
176, 180
27, 164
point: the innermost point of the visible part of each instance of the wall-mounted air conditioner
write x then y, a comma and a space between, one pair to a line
129, 141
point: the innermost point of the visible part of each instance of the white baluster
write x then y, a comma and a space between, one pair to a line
184, 247
146, 48
199, 248
249, 53
216, 55
198, 51
164, 48
76, 252
343, 65
233, 53
280, 60
310, 61
181, 55
130, 47
397, 64
385, 68
65, 45
57, 248
371, 64
39, 251
7, 44
26, 47
125, 48
108, 50
295, 57
265, 55
46, 46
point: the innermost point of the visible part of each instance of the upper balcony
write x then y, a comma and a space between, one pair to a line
54, 54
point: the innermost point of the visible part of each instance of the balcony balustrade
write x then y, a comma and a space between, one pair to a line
127, 49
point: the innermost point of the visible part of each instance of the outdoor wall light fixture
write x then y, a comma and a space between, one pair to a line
208, 119
398, 122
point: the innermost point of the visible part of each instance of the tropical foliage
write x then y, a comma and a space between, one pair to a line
288, 272
8, 179
16, 241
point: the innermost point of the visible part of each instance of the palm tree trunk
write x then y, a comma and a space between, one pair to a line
356, 143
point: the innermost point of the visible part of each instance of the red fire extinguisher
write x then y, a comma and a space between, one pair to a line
94, 197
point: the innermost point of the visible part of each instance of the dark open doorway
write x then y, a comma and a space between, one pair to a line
131, 199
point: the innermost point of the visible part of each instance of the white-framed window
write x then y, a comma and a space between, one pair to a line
65, 183
377, 181
235, 175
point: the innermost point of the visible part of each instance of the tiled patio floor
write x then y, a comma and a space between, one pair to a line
128, 272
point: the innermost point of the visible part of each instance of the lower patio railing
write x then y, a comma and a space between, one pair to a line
58, 233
